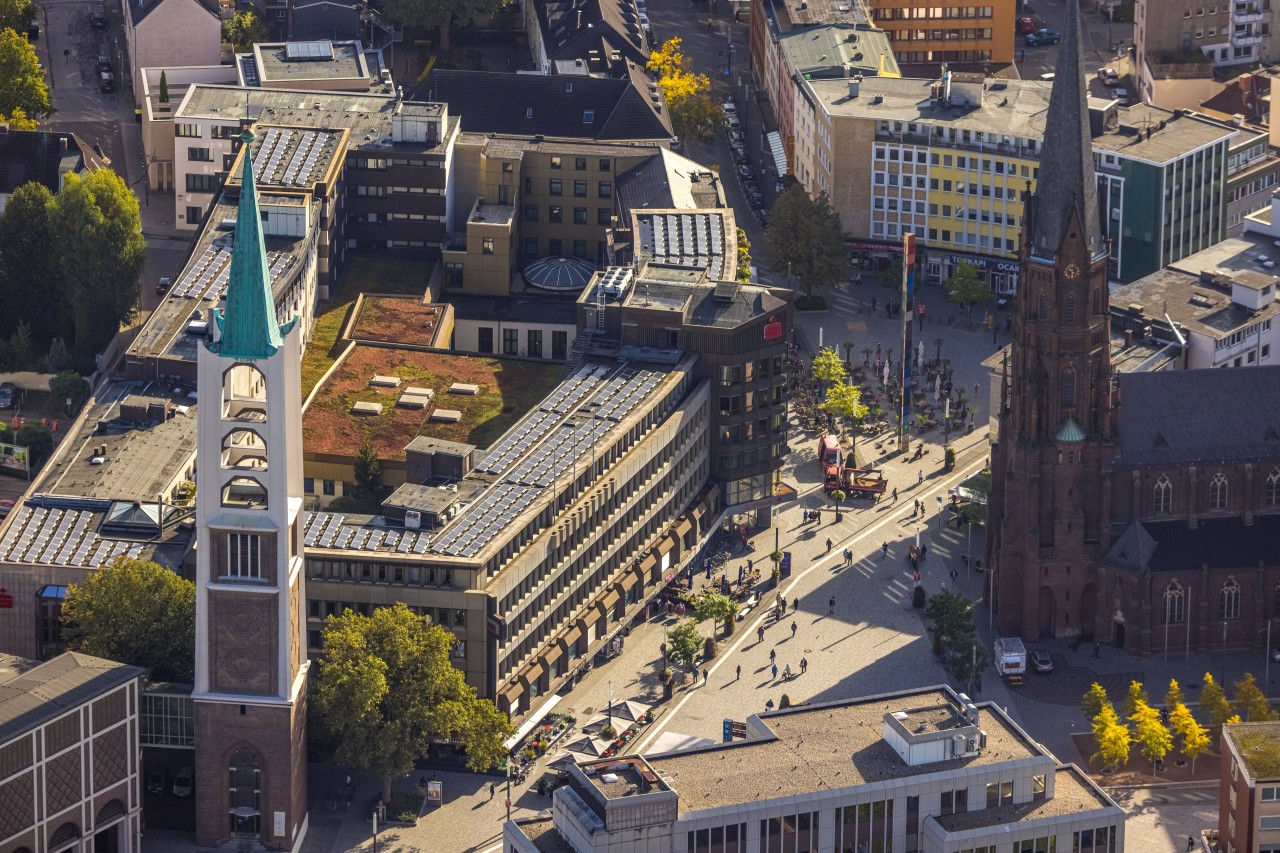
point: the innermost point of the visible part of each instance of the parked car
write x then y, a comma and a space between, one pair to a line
736, 137
740, 153
744, 170
157, 781
104, 64
98, 16
732, 122
755, 200
1109, 77
163, 285
1026, 26
33, 31
730, 108
182, 783
8, 395
1043, 36
106, 82
1041, 661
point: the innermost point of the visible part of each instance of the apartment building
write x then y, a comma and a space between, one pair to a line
1178, 44
1249, 793
1162, 182
1252, 172
967, 32
948, 159
71, 780
922, 771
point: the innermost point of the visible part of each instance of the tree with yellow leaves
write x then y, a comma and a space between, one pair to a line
1213, 701
1112, 737
688, 94
1194, 737
1150, 732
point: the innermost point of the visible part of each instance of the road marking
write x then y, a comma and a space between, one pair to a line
746, 631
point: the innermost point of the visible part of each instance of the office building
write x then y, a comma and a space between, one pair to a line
925, 771
70, 779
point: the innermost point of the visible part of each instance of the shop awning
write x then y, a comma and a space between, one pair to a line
779, 152
570, 637
534, 718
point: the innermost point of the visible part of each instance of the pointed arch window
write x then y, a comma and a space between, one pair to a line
1218, 491
1069, 310
245, 789
1069, 388
1271, 490
1229, 600
1162, 496
1175, 612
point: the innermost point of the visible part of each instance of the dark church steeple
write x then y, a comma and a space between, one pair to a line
1066, 182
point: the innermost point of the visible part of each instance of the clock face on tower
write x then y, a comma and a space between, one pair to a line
1072, 271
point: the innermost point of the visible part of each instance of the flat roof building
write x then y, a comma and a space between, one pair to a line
919, 770
1249, 798
323, 64
71, 779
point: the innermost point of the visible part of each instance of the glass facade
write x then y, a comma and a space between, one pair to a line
167, 720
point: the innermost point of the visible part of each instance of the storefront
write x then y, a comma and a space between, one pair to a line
999, 274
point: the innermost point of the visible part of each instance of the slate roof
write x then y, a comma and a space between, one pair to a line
664, 181
1220, 543
140, 9
591, 30
31, 696
1132, 550
535, 104
37, 155
1182, 416
1066, 180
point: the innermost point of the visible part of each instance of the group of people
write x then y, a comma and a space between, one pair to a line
786, 672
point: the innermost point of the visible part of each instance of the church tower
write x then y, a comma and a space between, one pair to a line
1056, 421
251, 664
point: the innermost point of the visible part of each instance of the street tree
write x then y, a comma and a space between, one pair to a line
22, 85
952, 623
29, 272
827, 366
966, 657
837, 497
19, 120
694, 113
1193, 736
1094, 700
684, 643
1251, 702
135, 612
17, 15
386, 690
1213, 701
1173, 696
1137, 696
1152, 735
37, 438
891, 276
242, 30
1112, 738
69, 385
716, 607
99, 233
966, 288
444, 14
844, 401
806, 240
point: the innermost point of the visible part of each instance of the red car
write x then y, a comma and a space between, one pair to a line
1026, 26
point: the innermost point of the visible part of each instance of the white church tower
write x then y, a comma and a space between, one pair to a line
251, 659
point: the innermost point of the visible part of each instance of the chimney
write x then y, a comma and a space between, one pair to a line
62, 144
855, 82
1128, 338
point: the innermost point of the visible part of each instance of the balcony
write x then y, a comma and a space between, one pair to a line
1244, 37
1247, 13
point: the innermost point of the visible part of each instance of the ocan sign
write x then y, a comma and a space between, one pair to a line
773, 330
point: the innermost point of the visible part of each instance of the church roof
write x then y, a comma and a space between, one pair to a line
1069, 431
248, 326
1132, 550
1066, 181
1176, 417
1219, 543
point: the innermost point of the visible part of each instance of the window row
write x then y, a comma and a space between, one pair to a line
581, 215
1218, 493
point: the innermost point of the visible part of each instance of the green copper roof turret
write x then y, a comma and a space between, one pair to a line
247, 324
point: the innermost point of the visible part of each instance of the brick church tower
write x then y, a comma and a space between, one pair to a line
251, 661
1056, 425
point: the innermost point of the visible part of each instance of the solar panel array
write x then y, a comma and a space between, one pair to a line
61, 537
484, 518
690, 239
207, 278
290, 157
331, 530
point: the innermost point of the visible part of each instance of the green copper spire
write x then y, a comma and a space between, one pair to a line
248, 323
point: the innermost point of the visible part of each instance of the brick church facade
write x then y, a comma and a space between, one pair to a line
1141, 510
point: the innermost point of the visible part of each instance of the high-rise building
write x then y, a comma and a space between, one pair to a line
251, 661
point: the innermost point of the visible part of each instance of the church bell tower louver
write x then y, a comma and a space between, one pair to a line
251, 657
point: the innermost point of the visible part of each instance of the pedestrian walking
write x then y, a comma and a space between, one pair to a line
848, 556
804, 665
786, 673
760, 633
1097, 651
954, 575
828, 544
1191, 842
775, 672
738, 674
884, 548
831, 605
768, 706
493, 788
793, 628
919, 477
924, 550
873, 308
705, 673
895, 494
773, 655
